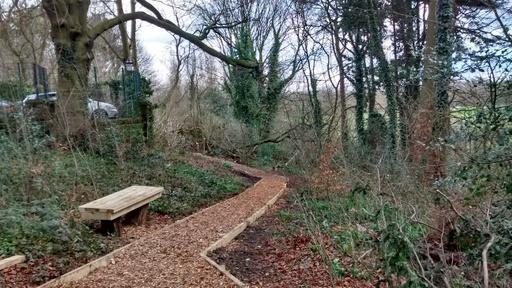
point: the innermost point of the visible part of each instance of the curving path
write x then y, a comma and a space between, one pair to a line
171, 256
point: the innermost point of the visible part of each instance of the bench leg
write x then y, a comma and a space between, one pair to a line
118, 227
143, 215
138, 216
110, 227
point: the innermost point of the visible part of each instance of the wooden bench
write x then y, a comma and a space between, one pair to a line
131, 202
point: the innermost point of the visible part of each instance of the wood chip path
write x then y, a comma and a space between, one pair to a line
170, 257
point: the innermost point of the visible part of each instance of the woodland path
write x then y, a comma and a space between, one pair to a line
171, 256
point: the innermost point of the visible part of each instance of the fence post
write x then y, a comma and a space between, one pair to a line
20, 80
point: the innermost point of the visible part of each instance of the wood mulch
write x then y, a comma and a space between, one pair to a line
170, 257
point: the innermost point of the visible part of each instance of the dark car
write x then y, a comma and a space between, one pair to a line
40, 106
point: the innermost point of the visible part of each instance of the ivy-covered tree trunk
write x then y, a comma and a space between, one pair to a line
359, 87
407, 64
272, 94
411, 65
255, 95
384, 75
444, 48
73, 46
242, 83
316, 108
372, 86
376, 124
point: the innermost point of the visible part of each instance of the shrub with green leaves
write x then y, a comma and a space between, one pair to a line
13, 90
43, 228
192, 187
357, 222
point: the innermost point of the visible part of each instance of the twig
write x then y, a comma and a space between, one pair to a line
364, 254
484, 260
414, 220
451, 204
426, 224
446, 282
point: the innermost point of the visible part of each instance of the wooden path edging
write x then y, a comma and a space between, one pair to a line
8, 262
228, 237
84, 270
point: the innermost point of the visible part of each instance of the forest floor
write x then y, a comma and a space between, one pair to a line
279, 250
36, 271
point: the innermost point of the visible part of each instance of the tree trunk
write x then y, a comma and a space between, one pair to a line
123, 32
359, 87
404, 35
341, 84
385, 76
372, 89
73, 46
135, 56
317, 109
422, 120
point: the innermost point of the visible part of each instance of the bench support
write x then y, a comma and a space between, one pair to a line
128, 205
138, 216
111, 226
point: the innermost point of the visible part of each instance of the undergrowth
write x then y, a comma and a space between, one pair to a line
365, 236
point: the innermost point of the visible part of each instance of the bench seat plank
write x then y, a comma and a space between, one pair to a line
119, 203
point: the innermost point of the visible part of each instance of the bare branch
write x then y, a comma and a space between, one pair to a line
171, 27
484, 261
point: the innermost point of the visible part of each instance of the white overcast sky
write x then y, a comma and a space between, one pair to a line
157, 41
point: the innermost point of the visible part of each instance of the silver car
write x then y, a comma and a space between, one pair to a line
95, 108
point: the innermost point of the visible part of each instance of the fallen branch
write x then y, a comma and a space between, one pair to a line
451, 204
274, 140
364, 254
484, 261
446, 282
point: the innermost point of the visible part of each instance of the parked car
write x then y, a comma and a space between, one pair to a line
101, 109
95, 108
6, 112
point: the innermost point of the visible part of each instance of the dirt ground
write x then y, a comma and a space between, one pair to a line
268, 254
